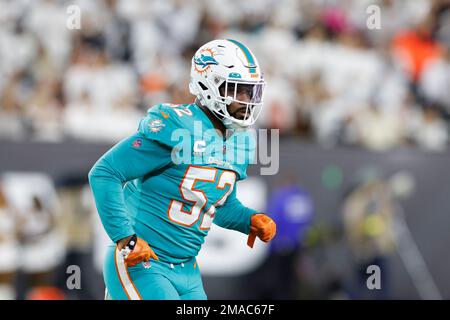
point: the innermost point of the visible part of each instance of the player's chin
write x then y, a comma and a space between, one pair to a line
239, 112
240, 115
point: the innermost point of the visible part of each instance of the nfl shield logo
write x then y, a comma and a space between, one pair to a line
137, 143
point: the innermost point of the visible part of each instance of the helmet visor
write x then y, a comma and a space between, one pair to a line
242, 92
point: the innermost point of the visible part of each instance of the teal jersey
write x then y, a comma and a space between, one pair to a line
171, 180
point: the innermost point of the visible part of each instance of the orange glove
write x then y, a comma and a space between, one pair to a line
263, 227
136, 251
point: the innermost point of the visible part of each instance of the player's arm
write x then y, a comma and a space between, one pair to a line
131, 158
235, 216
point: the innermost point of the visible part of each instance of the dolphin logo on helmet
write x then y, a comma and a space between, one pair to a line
204, 61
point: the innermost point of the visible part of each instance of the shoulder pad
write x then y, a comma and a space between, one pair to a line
163, 119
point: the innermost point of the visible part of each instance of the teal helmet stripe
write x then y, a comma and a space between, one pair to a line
247, 53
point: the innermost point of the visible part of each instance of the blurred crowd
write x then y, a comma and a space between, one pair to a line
337, 73
51, 239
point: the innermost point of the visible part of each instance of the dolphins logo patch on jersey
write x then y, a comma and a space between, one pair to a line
156, 125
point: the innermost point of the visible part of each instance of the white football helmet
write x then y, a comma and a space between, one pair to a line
232, 67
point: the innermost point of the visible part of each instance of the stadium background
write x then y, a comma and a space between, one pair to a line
363, 116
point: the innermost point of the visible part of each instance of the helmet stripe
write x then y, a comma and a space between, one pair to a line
247, 54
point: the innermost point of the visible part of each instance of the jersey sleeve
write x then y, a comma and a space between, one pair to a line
131, 158
234, 215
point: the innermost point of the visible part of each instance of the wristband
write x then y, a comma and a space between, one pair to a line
125, 251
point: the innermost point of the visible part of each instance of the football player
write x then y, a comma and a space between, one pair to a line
158, 209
